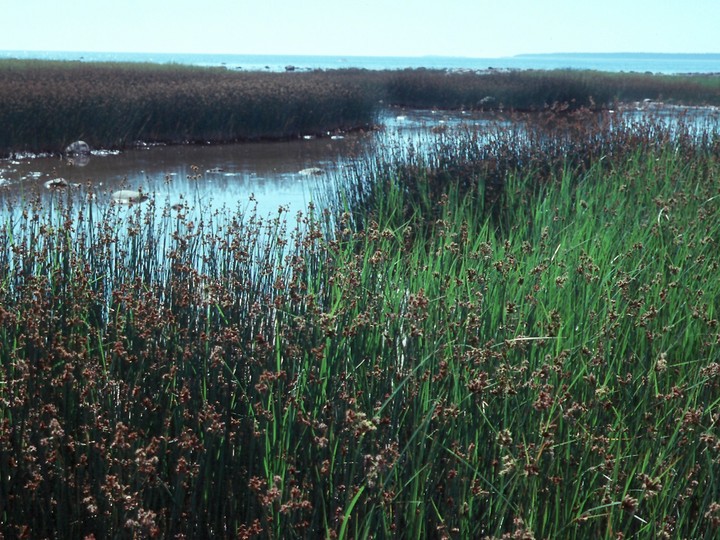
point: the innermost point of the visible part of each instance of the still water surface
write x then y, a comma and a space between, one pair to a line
217, 174
288, 173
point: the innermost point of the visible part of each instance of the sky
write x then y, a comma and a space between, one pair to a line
466, 28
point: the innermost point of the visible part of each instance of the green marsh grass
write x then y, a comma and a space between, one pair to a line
435, 359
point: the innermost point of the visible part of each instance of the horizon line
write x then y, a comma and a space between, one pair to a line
525, 54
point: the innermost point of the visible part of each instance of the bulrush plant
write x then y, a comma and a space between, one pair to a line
426, 361
558, 373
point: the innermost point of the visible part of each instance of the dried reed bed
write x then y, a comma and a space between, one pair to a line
46, 105
538, 90
542, 363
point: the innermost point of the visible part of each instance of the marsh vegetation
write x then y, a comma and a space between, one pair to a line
504, 337
44, 106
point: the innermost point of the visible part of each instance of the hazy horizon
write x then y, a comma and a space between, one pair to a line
522, 54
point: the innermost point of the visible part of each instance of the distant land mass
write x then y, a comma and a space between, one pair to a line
617, 54
667, 63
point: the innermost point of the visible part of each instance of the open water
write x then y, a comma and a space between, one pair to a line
284, 173
638, 62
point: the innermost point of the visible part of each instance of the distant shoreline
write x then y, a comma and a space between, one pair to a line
664, 63
620, 54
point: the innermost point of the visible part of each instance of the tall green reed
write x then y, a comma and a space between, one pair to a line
445, 360
580, 302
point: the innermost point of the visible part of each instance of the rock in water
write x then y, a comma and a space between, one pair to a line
78, 148
128, 196
312, 171
56, 183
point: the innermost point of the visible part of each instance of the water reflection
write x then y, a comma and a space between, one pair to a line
285, 173
224, 174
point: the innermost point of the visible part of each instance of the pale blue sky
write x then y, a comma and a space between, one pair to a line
473, 28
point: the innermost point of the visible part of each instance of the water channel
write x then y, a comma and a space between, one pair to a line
286, 173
